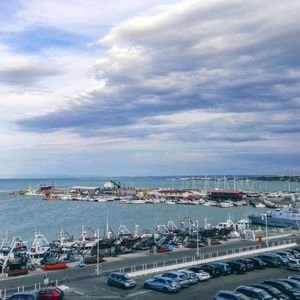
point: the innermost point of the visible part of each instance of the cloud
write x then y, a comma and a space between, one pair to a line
25, 74
85, 18
218, 75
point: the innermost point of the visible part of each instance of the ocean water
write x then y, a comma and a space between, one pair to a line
23, 215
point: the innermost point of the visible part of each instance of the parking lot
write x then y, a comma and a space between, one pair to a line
97, 288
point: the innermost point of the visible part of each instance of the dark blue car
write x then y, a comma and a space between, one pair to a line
163, 284
230, 295
23, 296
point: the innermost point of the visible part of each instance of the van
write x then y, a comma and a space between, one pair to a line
223, 268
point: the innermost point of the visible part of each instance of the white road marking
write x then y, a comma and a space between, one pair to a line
137, 293
79, 293
63, 287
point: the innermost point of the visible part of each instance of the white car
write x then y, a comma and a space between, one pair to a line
202, 275
293, 265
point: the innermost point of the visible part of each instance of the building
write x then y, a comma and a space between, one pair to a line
226, 195
86, 190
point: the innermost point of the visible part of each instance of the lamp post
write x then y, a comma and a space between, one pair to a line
266, 219
98, 269
197, 236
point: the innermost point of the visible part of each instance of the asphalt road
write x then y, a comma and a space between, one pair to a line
97, 288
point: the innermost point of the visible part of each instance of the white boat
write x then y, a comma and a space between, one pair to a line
210, 203
170, 202
279, 217
39, 246
31, 192
138, 201
101, 199
259, 205
226, 204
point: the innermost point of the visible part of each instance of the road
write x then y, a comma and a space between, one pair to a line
127, 262
97, 288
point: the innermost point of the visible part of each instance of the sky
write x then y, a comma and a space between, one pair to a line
152, 87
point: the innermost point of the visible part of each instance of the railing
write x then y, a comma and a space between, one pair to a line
221, 254
29, 288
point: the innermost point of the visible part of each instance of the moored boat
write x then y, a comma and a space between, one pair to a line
54, 266
279, 217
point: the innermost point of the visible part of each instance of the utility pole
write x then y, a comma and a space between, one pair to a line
197, 236
98, 239
266, 219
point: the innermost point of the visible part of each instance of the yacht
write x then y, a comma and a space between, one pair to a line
279, 217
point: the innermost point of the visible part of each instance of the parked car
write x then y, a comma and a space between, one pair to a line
121, 280
211, 269
272, 291
270, 260
293, 265
247, 262
182, 279
284, 288
237, 267
254, 293
294, 252
293, 283
166, 285
280, 258
224, 268
192, 276
294, 277
258, 263
50, 293
230, 295
23, 296
202, 275
285, 256
297, 249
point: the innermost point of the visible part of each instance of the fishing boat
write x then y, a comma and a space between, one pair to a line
40, 245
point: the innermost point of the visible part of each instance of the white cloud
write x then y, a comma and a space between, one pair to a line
89, 17
186, 78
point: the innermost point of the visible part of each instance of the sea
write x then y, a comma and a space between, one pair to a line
22, 216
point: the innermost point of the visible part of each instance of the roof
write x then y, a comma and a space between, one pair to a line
226, 192
172, 191
82, 187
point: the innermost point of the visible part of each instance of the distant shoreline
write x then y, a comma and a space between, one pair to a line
295, 178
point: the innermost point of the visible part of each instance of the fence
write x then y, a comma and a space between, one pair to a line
207, 258
31, 288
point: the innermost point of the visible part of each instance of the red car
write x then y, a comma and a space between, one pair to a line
50, 293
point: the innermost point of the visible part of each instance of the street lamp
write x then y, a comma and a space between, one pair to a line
98, 269
197, 236
266, 219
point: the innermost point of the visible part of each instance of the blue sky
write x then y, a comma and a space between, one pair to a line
149, 87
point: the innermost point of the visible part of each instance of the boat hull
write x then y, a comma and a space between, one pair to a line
17, 272
275, 222
51, 267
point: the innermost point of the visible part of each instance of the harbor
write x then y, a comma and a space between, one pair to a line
220, 192
85, 224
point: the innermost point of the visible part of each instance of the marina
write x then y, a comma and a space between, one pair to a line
51, 217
